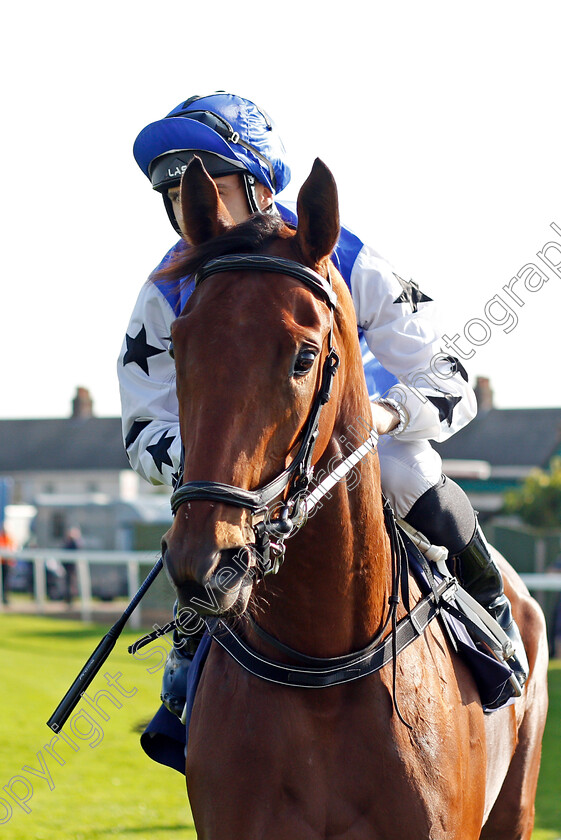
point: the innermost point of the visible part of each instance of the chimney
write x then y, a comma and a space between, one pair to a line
484, 394
82, 405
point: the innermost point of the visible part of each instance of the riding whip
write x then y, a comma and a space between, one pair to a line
98, 657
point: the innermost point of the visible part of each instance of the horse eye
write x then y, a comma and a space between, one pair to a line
304, 362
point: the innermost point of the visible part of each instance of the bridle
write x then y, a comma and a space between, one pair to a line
270, 527
297, 503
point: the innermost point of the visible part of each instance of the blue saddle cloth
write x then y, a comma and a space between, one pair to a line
165, 738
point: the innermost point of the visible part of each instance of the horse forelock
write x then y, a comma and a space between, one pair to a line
249, 237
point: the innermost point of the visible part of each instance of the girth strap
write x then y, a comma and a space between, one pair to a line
337, 670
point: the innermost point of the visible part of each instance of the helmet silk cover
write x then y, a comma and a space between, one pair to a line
221, 124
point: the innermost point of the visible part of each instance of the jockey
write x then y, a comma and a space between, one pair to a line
418, 391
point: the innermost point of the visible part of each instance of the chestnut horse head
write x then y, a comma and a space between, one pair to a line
256, 350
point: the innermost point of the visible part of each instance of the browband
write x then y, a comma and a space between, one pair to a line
275, 265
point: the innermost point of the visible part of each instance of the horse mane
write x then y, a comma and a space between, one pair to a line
248, 237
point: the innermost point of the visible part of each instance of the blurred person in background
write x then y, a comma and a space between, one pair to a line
72, 542
7, 562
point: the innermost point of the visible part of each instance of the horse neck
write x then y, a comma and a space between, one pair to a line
331, 594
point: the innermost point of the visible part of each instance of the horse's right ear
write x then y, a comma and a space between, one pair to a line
318, 215
204, 213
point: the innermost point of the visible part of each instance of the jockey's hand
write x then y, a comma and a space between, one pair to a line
385, 418
174, 682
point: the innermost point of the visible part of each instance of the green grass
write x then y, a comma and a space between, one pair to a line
548, 800
107, 790
110, 789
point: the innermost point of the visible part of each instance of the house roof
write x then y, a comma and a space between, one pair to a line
75, 443
517, 437
511, 437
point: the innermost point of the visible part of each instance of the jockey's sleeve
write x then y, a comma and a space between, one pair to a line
146, 371
398, 320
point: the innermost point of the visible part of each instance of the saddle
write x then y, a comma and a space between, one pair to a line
473, 632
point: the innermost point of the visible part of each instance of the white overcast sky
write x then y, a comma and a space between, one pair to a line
440, 121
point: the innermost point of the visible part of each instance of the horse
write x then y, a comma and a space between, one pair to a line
406, 751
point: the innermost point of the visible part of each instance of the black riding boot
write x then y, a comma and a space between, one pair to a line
478, 574
445, 516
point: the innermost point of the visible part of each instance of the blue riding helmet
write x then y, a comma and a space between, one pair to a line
229, 133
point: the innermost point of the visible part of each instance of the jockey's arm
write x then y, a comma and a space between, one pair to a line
146, 372
399, 324
384, 418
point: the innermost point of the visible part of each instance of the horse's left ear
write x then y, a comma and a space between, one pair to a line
318, 215
204, 213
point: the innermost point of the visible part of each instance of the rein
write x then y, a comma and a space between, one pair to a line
326, 672
323, 672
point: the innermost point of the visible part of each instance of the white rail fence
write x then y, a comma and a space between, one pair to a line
536, 583
82, 559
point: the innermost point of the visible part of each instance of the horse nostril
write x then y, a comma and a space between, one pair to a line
243, 558
237, 558
233, 567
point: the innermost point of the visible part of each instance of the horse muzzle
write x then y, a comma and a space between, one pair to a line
219, 582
